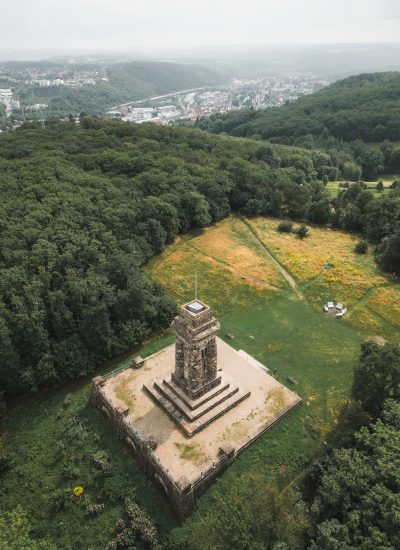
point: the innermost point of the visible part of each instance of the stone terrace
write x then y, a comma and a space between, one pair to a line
236, 428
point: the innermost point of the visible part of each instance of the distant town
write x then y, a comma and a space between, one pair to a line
239, 94
18, 97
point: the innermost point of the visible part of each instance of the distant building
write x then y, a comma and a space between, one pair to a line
154, 120
114, 114
37, 107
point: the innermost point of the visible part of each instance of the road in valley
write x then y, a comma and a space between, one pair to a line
159, 97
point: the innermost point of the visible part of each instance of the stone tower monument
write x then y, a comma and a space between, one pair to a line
195, 349
197, 392
202, 385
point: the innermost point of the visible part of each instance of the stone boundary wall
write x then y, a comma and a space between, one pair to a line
181, 494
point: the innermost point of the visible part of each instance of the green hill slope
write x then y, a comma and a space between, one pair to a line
148, 78
127, 82
365, 107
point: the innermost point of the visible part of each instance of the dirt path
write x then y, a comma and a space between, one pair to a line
289, 279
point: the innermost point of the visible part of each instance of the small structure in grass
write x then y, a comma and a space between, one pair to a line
337, 310
137, 362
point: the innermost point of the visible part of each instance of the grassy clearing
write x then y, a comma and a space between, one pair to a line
371, 297
249, 278
334, 186
286, 331
232, 244
386, 303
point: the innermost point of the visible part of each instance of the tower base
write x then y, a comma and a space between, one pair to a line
193, 414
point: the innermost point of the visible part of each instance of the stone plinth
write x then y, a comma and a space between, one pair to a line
183, 468
193, 415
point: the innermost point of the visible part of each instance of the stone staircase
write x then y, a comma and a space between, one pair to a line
193, 415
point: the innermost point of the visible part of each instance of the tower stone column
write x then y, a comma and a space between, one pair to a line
195, 349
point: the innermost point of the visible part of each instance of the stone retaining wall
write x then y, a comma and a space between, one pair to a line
181, 494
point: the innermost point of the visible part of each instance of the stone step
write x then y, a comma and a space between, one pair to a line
195, 403
161, 400
191, 428
213, 414
188, 413
194, 395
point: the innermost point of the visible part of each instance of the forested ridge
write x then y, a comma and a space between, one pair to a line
362, 107
83, 208
349, 118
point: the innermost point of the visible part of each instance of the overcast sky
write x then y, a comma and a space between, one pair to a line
109, 24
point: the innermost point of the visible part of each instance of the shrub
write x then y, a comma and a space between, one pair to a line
2, 405
102, 461
5, 458
361, 247
351, 171
91, 508
138, 530
302, 231
379, 186
285, 227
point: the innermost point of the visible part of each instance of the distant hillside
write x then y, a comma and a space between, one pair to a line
127, 82
365, 107
144, 79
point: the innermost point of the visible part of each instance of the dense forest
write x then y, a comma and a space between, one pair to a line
348, 118
84, 207
126, 82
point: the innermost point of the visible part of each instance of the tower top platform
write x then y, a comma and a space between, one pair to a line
196, 306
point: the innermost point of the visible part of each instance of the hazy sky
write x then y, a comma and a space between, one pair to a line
110, 24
